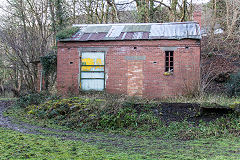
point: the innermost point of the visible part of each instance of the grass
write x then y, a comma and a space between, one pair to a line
221, 100
185, 130
7, 99
15, 145
18, 115
164, 143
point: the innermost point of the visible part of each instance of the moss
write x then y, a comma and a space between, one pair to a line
234, 104
93, 113
67, 33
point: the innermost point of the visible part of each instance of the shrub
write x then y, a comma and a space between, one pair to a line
88, 114
131, 117
49, 66
67, 33
34, 99
233, 85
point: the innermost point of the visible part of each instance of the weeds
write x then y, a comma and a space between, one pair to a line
130, 116
233, 85
92, 114
220, 100
34, 99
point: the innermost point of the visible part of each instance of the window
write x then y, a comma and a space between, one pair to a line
169, 61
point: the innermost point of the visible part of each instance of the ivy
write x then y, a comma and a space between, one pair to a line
67, 33
49, 66
233, 85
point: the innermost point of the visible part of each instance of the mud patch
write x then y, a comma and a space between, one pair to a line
193, 112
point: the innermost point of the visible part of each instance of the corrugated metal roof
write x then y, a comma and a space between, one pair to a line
137, 28
136, 31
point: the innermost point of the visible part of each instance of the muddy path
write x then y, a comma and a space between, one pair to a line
7, 122
170, 112
109, 142
92, 138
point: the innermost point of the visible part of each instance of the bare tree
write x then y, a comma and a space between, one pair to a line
27, 40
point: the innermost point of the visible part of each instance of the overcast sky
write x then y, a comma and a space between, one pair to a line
3, 2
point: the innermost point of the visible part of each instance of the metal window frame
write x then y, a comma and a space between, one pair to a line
82, 50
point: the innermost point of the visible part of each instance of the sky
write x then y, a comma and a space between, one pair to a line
3, 2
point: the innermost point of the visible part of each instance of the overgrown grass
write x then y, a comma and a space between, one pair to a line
94, 115
218, 139
204, 100
15, 145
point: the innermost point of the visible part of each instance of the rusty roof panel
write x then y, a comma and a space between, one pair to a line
100, 36
145, 35
84, 37
93, 36
137, 31
124, 35
96, 36
77, 35
129, 35
137, 35
120, 36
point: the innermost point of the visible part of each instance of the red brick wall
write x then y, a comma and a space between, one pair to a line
67, 74
135, 77
197, 14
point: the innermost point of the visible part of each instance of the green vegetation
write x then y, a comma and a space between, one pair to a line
49, 66
66, 33
15, 145
126, 117
8, 99
233, 84
33, 99
216, 100
108, 127
94, 114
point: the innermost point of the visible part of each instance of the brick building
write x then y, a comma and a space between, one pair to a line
146, 59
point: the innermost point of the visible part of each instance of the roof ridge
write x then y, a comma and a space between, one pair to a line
121, 24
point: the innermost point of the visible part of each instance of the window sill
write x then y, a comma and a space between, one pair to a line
167, 73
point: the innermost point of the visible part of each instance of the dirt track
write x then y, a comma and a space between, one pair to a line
169, 112
5, 121
24, 127
21, 127
91, 138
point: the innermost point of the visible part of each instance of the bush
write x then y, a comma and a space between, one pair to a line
94, 114
67, 33
233, 85
131, 117
33, 99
